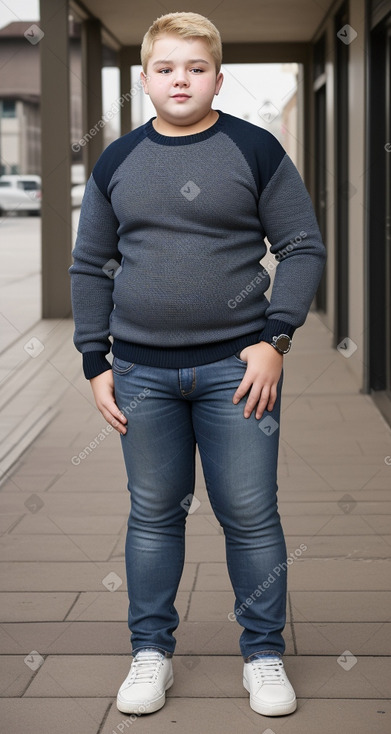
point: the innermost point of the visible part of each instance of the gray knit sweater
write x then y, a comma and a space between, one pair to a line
171, 233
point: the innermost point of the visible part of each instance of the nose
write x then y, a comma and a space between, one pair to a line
180, 78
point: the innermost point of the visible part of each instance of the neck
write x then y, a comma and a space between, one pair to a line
166, 128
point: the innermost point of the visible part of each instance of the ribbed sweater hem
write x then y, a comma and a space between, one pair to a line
181, 357
95, 362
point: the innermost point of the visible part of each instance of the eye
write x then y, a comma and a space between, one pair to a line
163, 71
200, 70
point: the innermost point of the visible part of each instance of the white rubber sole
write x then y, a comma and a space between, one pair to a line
143, 707
270, 709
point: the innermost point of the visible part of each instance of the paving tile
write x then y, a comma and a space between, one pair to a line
312, 677
76, 503
341, 606
50, 576
325, 472
216, 638
333, 495
31, 482
351, 546
60, 715
83, 576
338, 574
344, 525
208, 638
327, 638
331, 508
213, 576
44, 525
100, 638
197, 524
108, 606
97, 482
221, 716
90, 638
34, 606
325, 677
57, 547
7, 522
214, 606
211, 547
15, 676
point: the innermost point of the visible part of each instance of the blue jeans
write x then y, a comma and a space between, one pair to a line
169, 411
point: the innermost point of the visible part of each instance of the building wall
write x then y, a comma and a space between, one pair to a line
10, 142
356, 179
20, 80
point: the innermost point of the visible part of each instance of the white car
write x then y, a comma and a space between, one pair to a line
20, 194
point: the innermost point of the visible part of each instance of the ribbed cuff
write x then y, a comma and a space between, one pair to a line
274, 327
94, 363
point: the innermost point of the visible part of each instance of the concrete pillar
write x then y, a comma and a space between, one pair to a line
92, 92
55, 159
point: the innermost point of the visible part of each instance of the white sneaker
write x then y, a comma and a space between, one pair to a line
144, 689
271, 693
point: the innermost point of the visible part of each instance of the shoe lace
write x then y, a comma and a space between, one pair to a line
145, 667
269, 670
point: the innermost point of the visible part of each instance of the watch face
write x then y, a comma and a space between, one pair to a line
283, 343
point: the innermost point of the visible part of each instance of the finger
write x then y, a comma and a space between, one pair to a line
263, 402
242, 389
257, 396
115, 418
272, 397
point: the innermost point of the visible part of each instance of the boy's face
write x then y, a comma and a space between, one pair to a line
181, 79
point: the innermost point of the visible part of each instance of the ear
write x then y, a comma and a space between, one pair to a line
219, 81
144, 81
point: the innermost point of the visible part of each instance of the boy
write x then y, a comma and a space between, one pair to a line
166, 261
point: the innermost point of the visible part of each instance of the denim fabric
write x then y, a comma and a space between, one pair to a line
169, 412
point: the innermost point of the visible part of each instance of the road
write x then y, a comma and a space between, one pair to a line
20, 274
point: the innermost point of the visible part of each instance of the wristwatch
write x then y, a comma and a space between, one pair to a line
281, 343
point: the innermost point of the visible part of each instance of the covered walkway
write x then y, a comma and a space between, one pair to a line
64, 637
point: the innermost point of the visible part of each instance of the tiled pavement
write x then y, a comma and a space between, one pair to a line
64, 637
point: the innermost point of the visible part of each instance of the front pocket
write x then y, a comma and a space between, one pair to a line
121, 366
236, 356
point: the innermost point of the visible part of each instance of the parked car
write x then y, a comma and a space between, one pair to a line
20, 194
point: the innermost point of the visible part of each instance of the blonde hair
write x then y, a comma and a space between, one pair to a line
185, 25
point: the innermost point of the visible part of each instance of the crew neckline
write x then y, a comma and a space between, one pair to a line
182, 139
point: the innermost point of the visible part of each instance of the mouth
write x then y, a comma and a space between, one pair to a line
181, 96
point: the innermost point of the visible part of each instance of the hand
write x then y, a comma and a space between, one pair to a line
264, 367
103, 389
